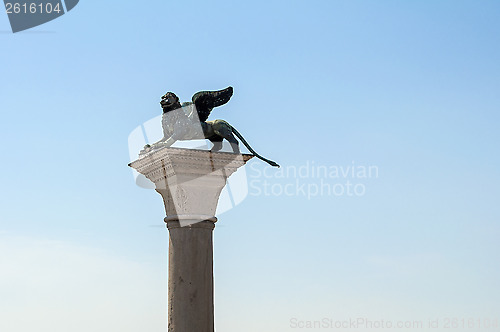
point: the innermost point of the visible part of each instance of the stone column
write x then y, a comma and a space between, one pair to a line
190, 182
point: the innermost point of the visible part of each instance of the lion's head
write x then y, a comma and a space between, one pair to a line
169, 102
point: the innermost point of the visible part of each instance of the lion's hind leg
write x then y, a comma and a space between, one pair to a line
223, 129
217, 142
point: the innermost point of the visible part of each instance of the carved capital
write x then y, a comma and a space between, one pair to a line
190, 181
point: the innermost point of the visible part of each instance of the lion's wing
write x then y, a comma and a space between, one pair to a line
205, 101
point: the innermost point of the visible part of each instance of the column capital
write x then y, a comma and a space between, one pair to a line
189, 180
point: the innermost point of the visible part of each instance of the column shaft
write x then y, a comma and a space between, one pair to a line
190, 277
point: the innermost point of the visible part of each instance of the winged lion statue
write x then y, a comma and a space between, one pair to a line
188, 120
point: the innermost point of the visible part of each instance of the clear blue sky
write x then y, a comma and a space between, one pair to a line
409, 87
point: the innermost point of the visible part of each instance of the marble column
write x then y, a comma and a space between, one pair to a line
190, 182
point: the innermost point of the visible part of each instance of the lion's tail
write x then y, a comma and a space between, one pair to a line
270, 162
